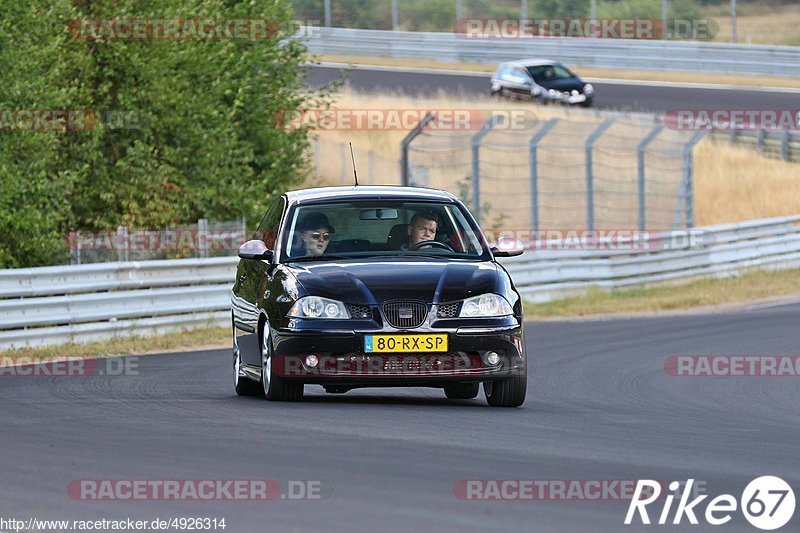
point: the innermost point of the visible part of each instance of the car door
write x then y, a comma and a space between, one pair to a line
252, 277
519, 82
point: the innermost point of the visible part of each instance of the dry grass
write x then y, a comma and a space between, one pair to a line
751, 286
644, 75
175, 342
731, 183
758, 23
735, 183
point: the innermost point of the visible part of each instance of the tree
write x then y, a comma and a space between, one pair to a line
174, 129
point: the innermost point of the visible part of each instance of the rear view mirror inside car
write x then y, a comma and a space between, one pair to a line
378, 214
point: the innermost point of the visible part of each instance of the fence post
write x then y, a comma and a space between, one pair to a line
785, 145
640, 160
686, 192
202, 237
534, 163
476, 163
370, 167
318, 157
760, 141
406, 143
122, 243
343, 163
589, 176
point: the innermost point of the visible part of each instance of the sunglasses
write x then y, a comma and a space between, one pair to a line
317, 236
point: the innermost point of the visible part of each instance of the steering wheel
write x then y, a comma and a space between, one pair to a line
435, 244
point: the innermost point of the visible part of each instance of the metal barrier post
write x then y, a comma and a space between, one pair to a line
476, 163
640, 160
202, 237
534, 163
686, 193
123, 243
406, 143
785, 145
589, 176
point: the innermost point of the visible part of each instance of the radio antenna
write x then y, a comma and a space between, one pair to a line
353, 158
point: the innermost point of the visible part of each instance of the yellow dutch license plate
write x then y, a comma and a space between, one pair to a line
435, 342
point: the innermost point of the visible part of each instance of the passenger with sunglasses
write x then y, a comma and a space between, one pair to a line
315, 233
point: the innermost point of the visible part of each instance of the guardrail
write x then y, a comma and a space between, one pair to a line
80, 303
638, 54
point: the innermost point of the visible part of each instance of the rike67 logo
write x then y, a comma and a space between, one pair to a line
767, 503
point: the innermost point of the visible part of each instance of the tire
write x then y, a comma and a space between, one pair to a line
508, 392
462, 391
274, 387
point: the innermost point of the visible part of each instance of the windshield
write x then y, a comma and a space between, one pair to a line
380, 228
545, 73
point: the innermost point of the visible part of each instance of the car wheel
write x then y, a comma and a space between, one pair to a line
244, 386
587, 103
508, 392
274, 386
462, 391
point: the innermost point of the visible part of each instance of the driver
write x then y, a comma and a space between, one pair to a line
422, 228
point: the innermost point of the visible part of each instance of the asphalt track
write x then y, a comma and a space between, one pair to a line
618, 96
600, 406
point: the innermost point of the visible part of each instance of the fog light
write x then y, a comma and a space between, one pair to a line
491, 358
312, 361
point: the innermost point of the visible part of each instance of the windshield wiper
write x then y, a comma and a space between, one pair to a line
323, 257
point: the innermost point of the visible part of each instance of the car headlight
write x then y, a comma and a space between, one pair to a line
317, 307
588, 89
485, 305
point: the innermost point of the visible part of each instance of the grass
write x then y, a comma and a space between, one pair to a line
750, 286
758, 23
216, 337
732, 183
643, 75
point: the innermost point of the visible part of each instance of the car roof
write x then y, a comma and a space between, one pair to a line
530, 62
367, 192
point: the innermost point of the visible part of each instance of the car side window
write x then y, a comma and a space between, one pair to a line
268, 229
519, 75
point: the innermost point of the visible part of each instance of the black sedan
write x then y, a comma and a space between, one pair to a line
350, 287
542, 80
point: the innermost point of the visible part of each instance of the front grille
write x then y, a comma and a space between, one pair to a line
447, 310
360, 311
405, 314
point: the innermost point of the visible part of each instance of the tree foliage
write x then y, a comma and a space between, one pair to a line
185, 127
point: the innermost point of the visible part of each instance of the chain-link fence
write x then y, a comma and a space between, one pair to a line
559, 173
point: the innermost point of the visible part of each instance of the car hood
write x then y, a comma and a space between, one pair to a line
564, 84
377, 281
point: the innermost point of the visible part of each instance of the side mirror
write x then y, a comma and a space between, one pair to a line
255, 249
508, 247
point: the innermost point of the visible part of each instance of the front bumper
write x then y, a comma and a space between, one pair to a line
342, 360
